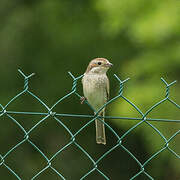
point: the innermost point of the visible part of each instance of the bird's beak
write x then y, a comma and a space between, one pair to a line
109, 64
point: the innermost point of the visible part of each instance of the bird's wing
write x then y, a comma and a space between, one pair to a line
107, 88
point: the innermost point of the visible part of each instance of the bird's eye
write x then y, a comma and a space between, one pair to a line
99, 63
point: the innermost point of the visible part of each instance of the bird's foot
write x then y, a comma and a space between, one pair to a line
82, 99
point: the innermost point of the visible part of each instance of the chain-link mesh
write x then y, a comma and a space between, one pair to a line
50, 113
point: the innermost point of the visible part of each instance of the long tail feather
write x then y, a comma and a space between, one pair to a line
100, 131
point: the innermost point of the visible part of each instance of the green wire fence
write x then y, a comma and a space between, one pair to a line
57, 116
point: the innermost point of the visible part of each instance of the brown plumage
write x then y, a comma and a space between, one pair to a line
96, 91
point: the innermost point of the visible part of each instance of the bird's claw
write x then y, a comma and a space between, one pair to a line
82, 99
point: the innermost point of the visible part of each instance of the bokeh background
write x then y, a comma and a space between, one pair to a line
51, 37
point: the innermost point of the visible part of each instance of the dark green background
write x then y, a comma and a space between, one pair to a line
51, 37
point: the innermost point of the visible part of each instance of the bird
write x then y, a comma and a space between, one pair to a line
96, 92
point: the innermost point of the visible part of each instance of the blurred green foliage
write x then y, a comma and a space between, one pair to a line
141, 38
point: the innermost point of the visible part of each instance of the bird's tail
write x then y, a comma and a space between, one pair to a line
100, 130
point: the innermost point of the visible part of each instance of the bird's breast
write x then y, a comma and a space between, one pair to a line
95, 90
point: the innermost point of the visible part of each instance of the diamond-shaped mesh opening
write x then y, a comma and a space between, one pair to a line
166, 110
33, 160
11, 130
25, 121
25, 102
123, 107
67, 162
62, 105
46, 141
116, 166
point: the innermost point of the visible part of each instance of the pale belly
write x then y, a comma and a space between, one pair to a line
95, 90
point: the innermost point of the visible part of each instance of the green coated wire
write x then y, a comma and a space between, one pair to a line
57, 116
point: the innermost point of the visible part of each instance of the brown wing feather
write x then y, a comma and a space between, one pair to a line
107, 89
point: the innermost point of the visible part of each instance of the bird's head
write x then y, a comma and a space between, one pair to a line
99, 66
